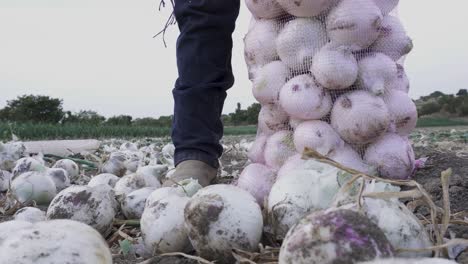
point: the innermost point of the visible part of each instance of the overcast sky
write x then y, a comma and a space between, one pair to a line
101, 54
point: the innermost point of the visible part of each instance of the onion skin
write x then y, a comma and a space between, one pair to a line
257, 179
393, 157
360, 117
302, 98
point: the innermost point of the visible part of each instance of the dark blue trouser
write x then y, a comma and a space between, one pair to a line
204, 50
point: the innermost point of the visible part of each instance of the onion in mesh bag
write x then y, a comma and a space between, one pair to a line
401, 83
298, 42
386, 6
302, 98
264, 8
259, 43
335, 67
279, 147
257, 151
392, 156
355, 23
268, 82
272, 119
317, 135
257, 179
376, 72
360, 117
305, 8
393, 40
403, 112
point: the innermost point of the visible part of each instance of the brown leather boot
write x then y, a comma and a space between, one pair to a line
194, 169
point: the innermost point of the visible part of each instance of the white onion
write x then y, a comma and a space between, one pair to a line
94, 206
134, 203
162, 222
298, 42
335, 67
30, 214
334, 236
410, 261
348, 157
294, 122
259, 43
393, 157
305, 8
152, 175
302, 98
5, 179
360, 117
376, 72
60, 178
291, 163
57, 241
354, 23
104, 178
10, 153
220, 218
128, 146
27, 164
70, 166
257, 179
268, 82
128, 184
305, 186
264, 8
33, 186
403, 112
317, 135
116, 164
401, 83
400, 226
279, 147
393, 40
256, 152
271, 119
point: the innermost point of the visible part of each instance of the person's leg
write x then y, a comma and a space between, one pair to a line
204, 50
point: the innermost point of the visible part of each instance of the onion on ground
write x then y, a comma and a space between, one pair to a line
27, 164
35, 187
30, 214
128, 184
5, 179
152, 175
334, 236
72, 169
220, 218
133, 204
162, 221
104, 178
57, 241
95, 206
60, 177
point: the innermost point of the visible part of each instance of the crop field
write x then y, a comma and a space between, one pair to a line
444, 147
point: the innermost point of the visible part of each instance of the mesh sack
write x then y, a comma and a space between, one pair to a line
329, 75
